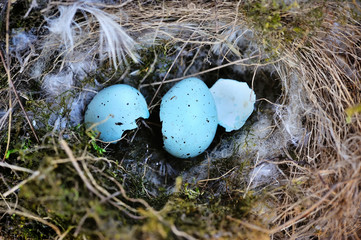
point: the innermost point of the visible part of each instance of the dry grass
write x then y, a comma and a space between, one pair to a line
329, 70
319, 196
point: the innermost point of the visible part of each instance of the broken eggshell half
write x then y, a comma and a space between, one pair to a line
234, 101
114, 110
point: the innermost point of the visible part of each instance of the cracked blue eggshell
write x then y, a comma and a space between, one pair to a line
189, 118
235, 103
114, 110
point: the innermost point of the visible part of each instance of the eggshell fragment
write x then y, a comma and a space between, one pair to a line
189, 118
234, 101
114, 110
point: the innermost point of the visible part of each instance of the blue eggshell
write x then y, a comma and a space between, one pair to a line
189, 118
114, 110
234, 101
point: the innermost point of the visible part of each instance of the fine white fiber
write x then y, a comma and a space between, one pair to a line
22, 47
21, 40
37, 69
64, 25
79, 104
235, 40
263, 141
113, 40
57, 84
167, 31
82, 67
63, 89
291, 113
70, 112
263, 173
238, 43
259, 141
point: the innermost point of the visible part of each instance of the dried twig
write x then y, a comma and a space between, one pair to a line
239, 61
22, 183
16, 168
33, 217
11, 84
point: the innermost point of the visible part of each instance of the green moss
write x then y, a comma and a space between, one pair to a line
61, 196
356, 109
279, 23
25, 229
157, 54
206, 214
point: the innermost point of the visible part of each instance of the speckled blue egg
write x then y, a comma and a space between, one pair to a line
189, 118
114, 110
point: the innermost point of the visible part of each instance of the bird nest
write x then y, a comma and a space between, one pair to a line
293, 171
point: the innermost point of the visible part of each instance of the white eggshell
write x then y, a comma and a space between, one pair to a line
114, 110
234, 101
189, 118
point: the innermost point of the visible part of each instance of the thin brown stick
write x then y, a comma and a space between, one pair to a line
303, 214
249, 225
16, 168
18, 98
217, 178
239, 61
34, 217
93, 186
22, 183
6, 64
167, 73
289, 222
78, 169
